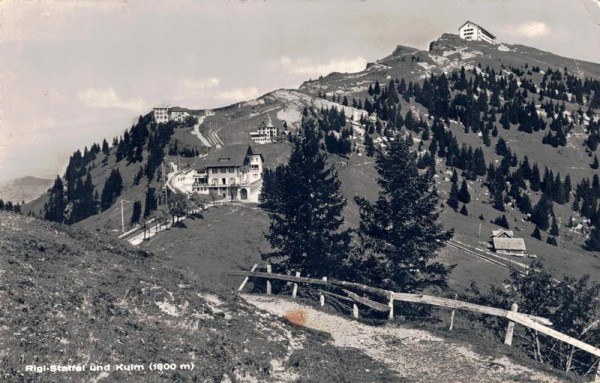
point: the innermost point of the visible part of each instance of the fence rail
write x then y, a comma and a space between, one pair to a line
533, 322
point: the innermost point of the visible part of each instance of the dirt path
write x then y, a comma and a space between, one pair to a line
415, 354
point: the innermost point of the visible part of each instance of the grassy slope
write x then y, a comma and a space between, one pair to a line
75, 297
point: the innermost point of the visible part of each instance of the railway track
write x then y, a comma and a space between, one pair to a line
484, 257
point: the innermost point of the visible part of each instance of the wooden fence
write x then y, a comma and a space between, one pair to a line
533, 322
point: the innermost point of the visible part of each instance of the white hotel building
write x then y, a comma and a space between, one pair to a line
473, 32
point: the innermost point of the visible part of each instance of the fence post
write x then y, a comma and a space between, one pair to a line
268, 281
295, 289
391, 304
510, 329
246, 279
597, 378
322, 297
355, 310
452, 315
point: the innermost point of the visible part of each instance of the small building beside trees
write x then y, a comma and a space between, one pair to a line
504, 242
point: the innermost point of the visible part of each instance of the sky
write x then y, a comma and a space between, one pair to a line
75, 72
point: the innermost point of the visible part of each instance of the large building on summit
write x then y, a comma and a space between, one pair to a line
473, 32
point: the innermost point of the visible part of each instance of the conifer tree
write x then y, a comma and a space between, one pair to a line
463, 193
535, 182
536, 233
464, 210
501, 221
137, 212
305, 207
593, 242
541, 213
105, 148
453, 200
399, 234
554, 227
54, 209
454, 177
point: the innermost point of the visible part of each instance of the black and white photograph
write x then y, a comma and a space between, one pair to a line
304, 191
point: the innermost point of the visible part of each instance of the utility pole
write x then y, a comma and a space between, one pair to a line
123, 215
164, 180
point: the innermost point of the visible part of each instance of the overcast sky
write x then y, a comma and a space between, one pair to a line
74, 72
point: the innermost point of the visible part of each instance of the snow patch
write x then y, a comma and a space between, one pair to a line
503, 48
425, 66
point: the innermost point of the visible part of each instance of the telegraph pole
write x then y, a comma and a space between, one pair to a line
123, 215
164, 180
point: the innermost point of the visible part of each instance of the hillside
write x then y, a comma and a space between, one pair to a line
517, 105
72, 297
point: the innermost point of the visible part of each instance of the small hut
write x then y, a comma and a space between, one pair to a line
510, 246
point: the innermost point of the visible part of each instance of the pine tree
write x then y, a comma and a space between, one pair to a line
399, 234
112, 189
54, 209
151, 204
463, 193
501, 221
105, 148
453, 200
369, 145
595, 164
536, 233
305, 208
464, 210
541, 213
535, 182
137, 212
498, 202
593, 242
554, 228
454, 178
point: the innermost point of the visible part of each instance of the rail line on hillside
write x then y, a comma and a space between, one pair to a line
484, 257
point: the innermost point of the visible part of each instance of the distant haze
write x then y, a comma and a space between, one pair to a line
74, 72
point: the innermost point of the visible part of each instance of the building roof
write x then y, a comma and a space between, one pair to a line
511, 244
503, 233
269, 122
478, 26
230, 155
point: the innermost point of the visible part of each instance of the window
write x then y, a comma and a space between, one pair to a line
222, 170
223, 181
231, 170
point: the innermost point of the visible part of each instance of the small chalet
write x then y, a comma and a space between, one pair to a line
505, 243
473, 32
